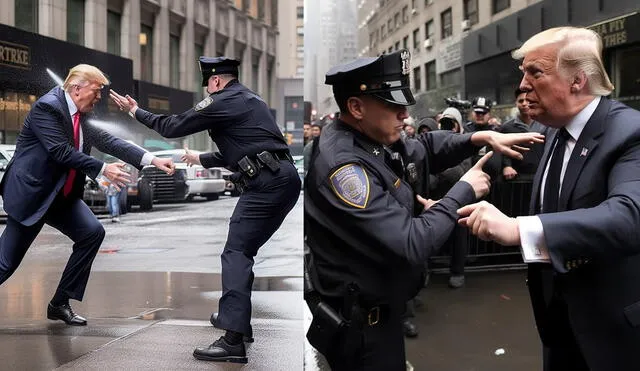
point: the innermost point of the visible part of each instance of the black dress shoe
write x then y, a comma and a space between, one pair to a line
410, 330
65, 313
221, 351
245, 338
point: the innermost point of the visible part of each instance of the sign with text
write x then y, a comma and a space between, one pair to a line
449, 54
14, 55
618, 31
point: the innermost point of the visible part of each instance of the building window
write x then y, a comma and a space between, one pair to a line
390, 50
246, 5
471, 11
382, 32
300, 71
26, 15
300, 30
431, 75
500, 5
300, 12
390, 25
199, 51
75, 21
114, 26
413, 5
261, 12
416, 79
146, 53
398, 45
255, 74
174, 61
429, 30
405, 14
416, 38
396, 21
428, 2
405, 42
274, 12
445, 21
450, 78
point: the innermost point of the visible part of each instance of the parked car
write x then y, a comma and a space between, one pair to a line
6, 152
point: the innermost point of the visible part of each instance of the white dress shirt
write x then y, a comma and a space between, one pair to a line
146, 158
531, 230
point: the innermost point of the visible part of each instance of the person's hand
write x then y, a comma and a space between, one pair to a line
117, 175
489, 224
427, 203
164, 164
508, 144
190, 158
478, 179
125, 103
509, 173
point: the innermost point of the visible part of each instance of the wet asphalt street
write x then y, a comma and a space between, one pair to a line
153, 287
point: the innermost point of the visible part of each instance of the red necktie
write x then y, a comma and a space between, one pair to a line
68, 185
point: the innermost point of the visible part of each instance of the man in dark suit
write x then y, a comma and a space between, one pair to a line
44, 182
582, 245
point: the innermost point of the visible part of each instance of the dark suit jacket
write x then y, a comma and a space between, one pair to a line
594, 242
44, 154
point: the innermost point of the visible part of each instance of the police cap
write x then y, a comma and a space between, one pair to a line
386, 77
217, 66
481, 104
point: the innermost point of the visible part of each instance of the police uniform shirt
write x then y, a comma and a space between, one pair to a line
359, 213
237, 119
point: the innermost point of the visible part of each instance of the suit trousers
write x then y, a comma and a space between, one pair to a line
75, 220
259, 212
563, 353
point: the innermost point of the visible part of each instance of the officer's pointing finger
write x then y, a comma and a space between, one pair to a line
483, 160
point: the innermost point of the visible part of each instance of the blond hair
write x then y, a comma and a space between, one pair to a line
83, 75
579, 50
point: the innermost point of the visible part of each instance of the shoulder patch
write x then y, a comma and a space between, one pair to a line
351, 184
203, 104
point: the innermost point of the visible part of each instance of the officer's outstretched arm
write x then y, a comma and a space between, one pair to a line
212, 159
446, 149
374, 219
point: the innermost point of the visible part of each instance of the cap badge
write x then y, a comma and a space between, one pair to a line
213, 70
406, 62
363, 87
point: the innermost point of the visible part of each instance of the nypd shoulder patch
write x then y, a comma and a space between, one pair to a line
203, 104
351, 184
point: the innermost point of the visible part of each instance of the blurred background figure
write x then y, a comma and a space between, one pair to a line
410, 127
426, 125
113, 196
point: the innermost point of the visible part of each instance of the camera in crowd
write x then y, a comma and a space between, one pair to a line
458, 103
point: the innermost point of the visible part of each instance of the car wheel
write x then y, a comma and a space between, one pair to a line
213, 197
145, 192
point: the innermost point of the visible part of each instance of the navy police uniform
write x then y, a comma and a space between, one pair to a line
367, 250
251, 145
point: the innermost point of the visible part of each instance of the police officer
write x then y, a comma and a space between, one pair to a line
367, 250
480, 116
252, 146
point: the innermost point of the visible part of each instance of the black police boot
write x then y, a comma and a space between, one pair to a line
246, 338
65, 313
222, 351
410, 329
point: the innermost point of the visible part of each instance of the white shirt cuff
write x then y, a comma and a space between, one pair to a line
146, 159
532, 242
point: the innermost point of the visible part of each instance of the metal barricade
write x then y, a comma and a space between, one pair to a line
512, 198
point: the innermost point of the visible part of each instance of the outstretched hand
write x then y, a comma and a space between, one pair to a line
512, 145
125, 103
190, 158
117, 175
164, 164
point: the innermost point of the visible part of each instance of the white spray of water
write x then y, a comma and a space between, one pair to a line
55, 77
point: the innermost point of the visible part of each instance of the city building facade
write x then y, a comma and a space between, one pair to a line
433, 32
